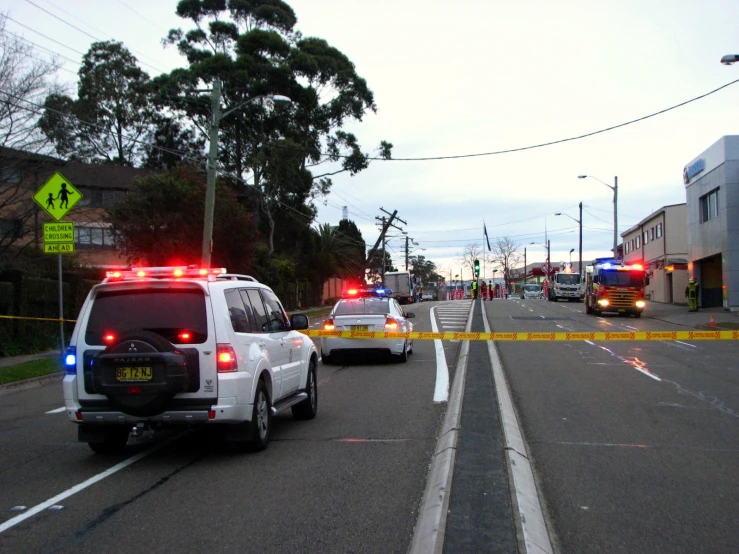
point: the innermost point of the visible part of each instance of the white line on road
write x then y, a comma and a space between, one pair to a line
441, 389
530, 513
57, 411
686, 344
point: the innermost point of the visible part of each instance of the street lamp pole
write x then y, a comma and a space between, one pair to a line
579, 222
210, 187
614, 188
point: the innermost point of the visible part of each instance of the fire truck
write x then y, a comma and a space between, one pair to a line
611, 286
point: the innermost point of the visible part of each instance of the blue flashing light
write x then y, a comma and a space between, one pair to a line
70, 360
607, 266
380, 291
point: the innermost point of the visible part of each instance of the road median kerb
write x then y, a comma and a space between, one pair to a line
29, 383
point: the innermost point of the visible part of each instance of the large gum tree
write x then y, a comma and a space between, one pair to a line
277, 151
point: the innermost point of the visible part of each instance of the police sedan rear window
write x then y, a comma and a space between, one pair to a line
168, 312
363, 306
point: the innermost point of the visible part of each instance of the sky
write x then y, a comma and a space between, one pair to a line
455, 79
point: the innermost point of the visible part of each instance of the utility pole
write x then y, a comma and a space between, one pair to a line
524, 266
579, 267
210, 188
549, 261
406, 252
615, 217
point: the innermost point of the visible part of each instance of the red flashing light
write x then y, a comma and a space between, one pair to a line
113, 274
637, 266
184, 336
178, 272
109, 337
352, 292
141, 273
226, 359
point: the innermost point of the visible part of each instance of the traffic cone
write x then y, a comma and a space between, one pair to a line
713, 321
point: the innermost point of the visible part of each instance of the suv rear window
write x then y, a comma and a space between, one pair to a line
168, 312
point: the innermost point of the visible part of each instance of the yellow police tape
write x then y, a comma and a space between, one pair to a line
571, 336
57, 319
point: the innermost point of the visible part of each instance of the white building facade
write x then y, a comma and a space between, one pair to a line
712, 196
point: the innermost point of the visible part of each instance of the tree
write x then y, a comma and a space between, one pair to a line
375, 263
507, 255
471, 253
24, 83
160, 222
113, 111
256, 54
350, 235
335, 256
170, 144
424, 270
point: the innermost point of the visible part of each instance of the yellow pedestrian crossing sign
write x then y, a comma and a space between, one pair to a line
57, 196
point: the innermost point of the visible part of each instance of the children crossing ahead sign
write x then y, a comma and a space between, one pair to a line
57, 196
59, 238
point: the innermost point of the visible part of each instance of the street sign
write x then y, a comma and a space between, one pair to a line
59, 232
59, 248
57, 196
545, 269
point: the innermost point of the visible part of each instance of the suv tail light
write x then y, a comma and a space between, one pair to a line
226, 359
328, 325
391, 322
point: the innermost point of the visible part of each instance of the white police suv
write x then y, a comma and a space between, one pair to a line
179, 346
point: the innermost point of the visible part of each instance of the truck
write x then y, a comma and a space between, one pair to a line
612, 286
402, 284
566, 284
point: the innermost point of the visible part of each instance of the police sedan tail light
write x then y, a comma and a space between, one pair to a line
391, 323
328, 325
226, 358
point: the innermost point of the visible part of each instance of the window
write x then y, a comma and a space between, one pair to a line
651, 233
236, 311
93, 238
626, 247
10, 228
260, 315
658, 230
10, 175
278, 320
91, 198
112, 196
646, 237
709, 206
638, 242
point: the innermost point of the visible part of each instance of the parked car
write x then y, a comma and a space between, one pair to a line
531, 290
176, 346
367, 310
514, 296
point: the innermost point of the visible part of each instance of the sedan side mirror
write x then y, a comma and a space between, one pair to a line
299, 322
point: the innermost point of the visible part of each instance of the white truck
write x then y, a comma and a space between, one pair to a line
402, 284
567, 285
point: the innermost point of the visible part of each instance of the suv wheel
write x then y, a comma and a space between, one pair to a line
261, 419
308, 408
114, 440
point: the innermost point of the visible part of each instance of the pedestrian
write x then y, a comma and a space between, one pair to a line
691, 292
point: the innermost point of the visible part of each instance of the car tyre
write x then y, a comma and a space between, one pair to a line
114, 442
308, 408
326, 359
637, 314
261, 419
403, 356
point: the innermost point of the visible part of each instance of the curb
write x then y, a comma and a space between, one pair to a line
30, 383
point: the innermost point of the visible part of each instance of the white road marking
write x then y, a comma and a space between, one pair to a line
530, 513
80, 487
686, 344
441, 389
57, 411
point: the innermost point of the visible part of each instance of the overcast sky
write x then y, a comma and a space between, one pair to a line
482, 76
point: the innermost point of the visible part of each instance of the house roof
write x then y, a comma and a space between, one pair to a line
651, 216
103, 176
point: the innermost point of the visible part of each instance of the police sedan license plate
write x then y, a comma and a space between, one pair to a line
359, 328
127, 374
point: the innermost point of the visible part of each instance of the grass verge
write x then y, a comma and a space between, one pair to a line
28, 370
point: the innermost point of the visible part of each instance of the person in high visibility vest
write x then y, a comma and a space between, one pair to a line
474, 289
691, 291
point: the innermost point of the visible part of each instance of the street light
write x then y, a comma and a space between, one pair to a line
579, 222
614, 188
210, 189
571, 251
729, 59
549, 263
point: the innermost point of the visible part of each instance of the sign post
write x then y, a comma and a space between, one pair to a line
56, 197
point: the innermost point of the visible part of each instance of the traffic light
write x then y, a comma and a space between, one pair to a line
477, 268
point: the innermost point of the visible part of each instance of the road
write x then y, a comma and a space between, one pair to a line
633, 444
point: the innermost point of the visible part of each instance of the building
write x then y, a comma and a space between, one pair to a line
660, 243
712, 196
22, 174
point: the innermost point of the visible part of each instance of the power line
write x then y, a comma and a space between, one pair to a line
42, 47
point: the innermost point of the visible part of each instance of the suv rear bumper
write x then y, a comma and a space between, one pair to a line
226, 411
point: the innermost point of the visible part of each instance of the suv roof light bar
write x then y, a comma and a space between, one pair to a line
166, 272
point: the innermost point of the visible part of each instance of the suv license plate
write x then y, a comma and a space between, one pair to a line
359, 328
127, 374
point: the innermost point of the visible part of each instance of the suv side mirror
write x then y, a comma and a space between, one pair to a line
299, 322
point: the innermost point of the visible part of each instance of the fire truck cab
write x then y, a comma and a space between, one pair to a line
611, 286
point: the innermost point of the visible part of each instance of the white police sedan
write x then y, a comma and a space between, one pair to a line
367, 309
